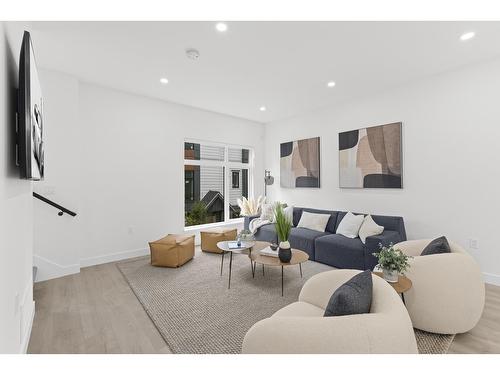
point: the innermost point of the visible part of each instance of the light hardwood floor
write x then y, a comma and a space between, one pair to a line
485, 336
95, 311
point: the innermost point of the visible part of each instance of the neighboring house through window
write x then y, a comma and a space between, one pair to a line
215, 177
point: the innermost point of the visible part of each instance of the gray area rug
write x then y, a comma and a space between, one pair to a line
432, 343
196, 313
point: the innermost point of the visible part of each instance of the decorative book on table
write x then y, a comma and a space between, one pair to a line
234, 245
267, 251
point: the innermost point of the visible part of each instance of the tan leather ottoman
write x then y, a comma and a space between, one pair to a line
172, 251
210, 237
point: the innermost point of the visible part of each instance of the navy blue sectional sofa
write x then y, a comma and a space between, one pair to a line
334, 249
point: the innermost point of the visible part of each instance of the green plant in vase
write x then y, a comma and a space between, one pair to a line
283, 226
392, 261
246, 235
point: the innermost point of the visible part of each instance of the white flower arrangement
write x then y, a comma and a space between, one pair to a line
251, 206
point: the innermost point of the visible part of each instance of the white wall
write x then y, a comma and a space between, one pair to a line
120, 167
16, 210
451, 133
58, 239
133, 173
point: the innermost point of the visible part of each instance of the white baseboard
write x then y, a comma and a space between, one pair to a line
50, 270
491, 278
113, 257
27, 331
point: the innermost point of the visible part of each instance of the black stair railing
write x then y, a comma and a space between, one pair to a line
62, 210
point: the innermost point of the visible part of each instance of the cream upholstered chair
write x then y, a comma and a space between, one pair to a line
301, 328
447, 295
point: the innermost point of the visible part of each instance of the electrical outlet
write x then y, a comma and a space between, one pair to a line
473, 244
130, 230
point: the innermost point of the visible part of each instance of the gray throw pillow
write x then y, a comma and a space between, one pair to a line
438, 246
352, 297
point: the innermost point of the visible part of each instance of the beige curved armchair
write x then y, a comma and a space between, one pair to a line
447, 295
301, 328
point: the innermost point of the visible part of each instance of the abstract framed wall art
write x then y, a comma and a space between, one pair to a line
371, 157
300, 164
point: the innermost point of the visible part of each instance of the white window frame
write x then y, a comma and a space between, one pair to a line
227, 165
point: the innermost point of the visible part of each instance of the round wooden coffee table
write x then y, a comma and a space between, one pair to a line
298, 257
401, 286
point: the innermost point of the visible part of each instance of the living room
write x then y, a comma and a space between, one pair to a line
232, 185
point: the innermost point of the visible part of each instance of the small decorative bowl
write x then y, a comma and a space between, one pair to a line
273, 246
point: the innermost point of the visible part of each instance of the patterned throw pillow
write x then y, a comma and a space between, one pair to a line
267, 212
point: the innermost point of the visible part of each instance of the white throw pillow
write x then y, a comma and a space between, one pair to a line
267, 212
313, 221
350, 224
288, 211
369, 228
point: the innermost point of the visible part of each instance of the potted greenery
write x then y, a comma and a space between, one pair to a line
283, 226
246, 235
392, 261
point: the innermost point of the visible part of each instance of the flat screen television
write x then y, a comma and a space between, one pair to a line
30, 115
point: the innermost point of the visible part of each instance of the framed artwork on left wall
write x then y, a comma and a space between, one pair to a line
300, 163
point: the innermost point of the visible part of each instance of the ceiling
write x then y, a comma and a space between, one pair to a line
283, 66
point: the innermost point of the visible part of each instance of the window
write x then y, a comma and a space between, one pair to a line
215, 177
239, 155
237, 190
236, 179
192, 176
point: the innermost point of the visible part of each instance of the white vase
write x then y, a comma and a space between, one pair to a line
390, 276
284, 245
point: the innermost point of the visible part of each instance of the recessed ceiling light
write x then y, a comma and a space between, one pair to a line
262, 109
467, 36
164, 81
221, 26
331, 84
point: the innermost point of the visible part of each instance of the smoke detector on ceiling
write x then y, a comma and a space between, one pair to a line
192, 54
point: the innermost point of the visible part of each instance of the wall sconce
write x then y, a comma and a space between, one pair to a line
268, 180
